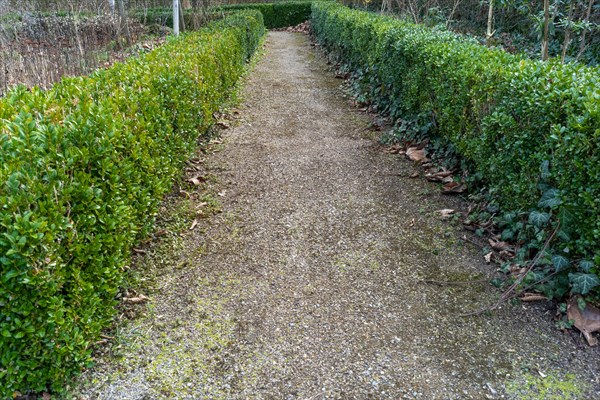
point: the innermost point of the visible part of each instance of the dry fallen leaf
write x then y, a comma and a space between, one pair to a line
223, 124
453, 187
394, 149
194, 224
587, 321
221, 194
139, 251
488, 257
414, 175
197, 180
532, 297
446, 213
441, 176
415, 154
498, 245
136, 300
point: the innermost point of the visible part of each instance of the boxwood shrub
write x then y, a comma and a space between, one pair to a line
83, 168
276, 15
531, 129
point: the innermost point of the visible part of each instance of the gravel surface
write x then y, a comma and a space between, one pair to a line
314, 282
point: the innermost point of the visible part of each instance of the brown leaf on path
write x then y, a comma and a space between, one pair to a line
415, 154
453, 187
446, 213
139, 251
498, 245
197, 180
441, 176
488, 257
414, 175
532, 297
394, 149
587, 321
223, 125
136, 300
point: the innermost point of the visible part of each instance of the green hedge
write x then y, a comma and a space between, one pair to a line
530, 128
83, 168
276, 15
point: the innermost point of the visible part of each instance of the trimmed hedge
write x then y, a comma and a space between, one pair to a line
276, 15
530, 128
83, 168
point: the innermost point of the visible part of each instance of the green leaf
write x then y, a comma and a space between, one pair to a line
550, 199
10, 274
545, 169
582, 283
586, 265
569, 218
539, 219
560, 263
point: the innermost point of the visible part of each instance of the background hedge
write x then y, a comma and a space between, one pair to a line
531, 129
83, 168
277, 15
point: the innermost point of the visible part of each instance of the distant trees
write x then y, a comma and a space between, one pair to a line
543, 28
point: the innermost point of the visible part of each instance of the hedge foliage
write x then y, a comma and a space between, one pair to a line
83, 168
530, 128
276, 15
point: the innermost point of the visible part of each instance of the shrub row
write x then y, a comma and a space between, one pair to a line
83, 168
276, 15
530, 129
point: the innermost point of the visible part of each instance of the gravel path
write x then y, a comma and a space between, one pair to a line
311, 282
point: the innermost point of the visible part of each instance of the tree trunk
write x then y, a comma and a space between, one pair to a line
386, 5
111, 6
124, 25
176, 17
181, 17
455, 5
567, 40
490, 21
582, 44
546, 25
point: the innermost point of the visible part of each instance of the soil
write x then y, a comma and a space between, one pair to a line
328, 274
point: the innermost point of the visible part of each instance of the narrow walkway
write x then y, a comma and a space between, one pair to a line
310, 283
